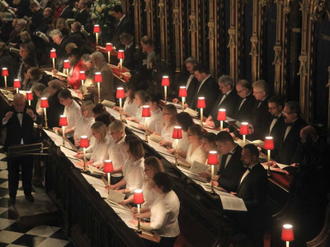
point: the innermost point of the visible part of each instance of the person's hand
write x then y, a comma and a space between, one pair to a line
141, 126
100, 166
226, 129
204, 175
8, 116
232, 134
175, 100
165, 143
80, 163
209, 122
186, 105
130, 118
134, 222
134, 210
295, 165
215, 183
171, 151
233, 193
124, 202
117, 108
54, 71
30, 113
79, 156
111, 187
216, 177
76, 143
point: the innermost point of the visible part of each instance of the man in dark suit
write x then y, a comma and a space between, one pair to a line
129, 51
19, 122
81, 14
227, 100
47, 17
187, 80
123, 25
37, 16
231, 168
76, 36
290, 137
61, 43
252, 189
67, 11
207, 88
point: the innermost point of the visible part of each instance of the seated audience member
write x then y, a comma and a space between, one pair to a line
25, 37
99, 151
6, 61
227, 100
39, 90
152, 166
76, 66
252, 189
188, 80
107, 85
195, 151
260, 114
37, 16
58, 9
130, 105
290, 137
83, 126
55, 108
207, 87
21, 8
89, 71
169, 116
132, 169
231, 168
69, 47
71, 111
19, 27
76, 36
81, 13
140, 100
208, 144
156, 121
34, 75
148, 47
67, 12
164, 211
13, 33
46, 19
60, 44
129, 50
28, 54
98, 110
6, 27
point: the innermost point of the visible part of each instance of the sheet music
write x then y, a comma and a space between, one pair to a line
69, 153
58, 140
113, 112
282, 165
197, 167
74, 162
232, 203
108, 103
124, 214
178, 106
116, 196
276, 169
155, 138
258, 142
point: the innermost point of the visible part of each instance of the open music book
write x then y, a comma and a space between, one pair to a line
197, 167
191, 112
108, 103
155, 138
233, 122
115, 196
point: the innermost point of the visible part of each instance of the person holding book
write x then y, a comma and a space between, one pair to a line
169, 116
130, 106
140, 100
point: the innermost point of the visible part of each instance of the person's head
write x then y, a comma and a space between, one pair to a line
208, 142
34, 73
55, 86
140, 97
169, 114
190, 63
75, 55
104, 118
56, 36
117, 12
308, 131
135, 149
65, 31
65, 3
117, 130
97, 58
195, 133
87, 109
61, 23
152, 165
81, 4
25, 49
291, 111
76, 26
47, 12
98, 110
200, 72
163, 183
184, 120
275, 105
99, 131
225, 142
250, 155
129, 89
65, 97
260, 90
243, 88
126, 38
128, 138
147, 43
19, 102
225, 83
34, 6
20, 25
25, 36
38, 89
153, 101
88, 63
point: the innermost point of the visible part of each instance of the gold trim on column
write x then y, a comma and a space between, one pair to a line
176, 22
161, 17
150, 25
137, 23
233, 59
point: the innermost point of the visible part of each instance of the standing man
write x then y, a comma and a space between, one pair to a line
19, 121
123, 25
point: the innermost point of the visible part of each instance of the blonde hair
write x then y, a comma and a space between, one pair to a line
61, 23
25, 36
70, 46
56, 84
156, 165
117, 126
100, 127
89, 105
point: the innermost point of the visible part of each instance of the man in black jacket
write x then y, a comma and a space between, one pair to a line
81, 14
123, 25
19, 122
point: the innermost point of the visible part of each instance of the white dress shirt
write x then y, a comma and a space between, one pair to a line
183, 143
83, 127
167, 132
138, 115
99, 152
191, 77
131, 108
149, 194
117, 152
73, 115
272, 124
164, 215
156, 121
200, 86
198, 155
133, 174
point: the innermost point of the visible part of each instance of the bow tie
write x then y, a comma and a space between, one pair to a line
248, 168
289, 124
231, 153
276, 117
20, 112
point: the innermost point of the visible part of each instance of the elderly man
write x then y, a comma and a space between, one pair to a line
19, 27
19, 121
76, 36
107, 85
61, 43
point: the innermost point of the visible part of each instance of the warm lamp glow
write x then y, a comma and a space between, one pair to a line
121, 54
67, 64
4, 72
138, 197
182, 92
63, 121
53, 53
108, 166
29, 95
287, 233
212, 159
120, 93
84, 142
201, 102
96, 29
165, 81
244, 130
44, 102
82, 75
177, 132
222, 114
146, 111
269, 143
98, 77
108, 47
17, 83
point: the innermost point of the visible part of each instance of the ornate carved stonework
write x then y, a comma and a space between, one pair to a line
254, 49
211, 30
161, 11
303, 66
148, 6
192, 19
231, 43
176, 18
278, 53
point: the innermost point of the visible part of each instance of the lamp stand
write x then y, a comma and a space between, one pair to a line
183, 98
120, 109
5, 84
29, 102
82, 88
53, 63
99, 92
63, 133
146, 127
109, 181
212, 176
176, 152
201, 110
139, 226
16, 90
121, 68
45, 114
97, 41
165, 94
108, 57
84, 149
243, 140
287, 243
268, 170
221, 125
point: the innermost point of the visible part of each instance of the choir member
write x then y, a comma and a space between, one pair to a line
208, 144
169, 116
148, 47
195, 151
39, 91
55, 108
127, 41
140, 100
98, 110
130, 106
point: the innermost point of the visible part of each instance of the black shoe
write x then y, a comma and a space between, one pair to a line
29, 198
12, 200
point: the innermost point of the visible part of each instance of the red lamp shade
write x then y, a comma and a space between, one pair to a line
244, 130
146, 111
44, 102
121, 54
108, 166
17, 83
63, 121
212, 159
120, 93
138, 197
98, 77
53, 53
269, 143
96, 29
29, 95
287, 233
108, 47
84, 142
177, 132
4, 72
201, 102
182, 92
166, 81
82, 75
222, 114
66, 64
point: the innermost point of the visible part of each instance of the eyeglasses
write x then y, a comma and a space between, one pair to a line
272, 108
258, 92
238, 92
287, 113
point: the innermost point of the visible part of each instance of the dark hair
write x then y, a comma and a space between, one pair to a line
99, 109
147, 40
35, 73
130, 86
201, 69
252, 149
104, 118
293, 107
129, 138
65, 94
184, 120
143, 95
154, 98
161, 179
136, 148
224, 137
244, 83
210, 137
277, 99
117, 9
196, 130
65, 31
